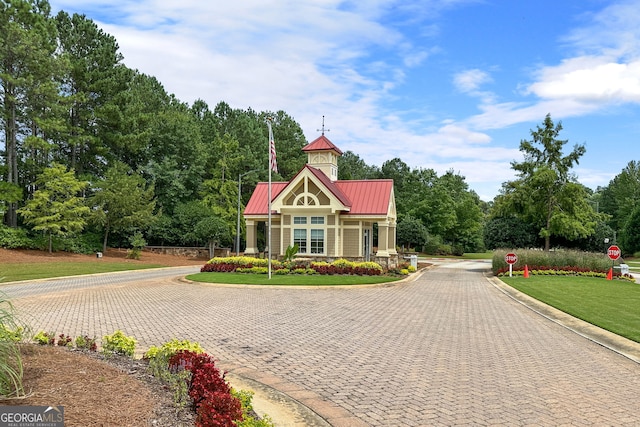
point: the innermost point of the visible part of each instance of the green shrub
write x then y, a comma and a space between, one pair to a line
290, 253
343, 263
137, 244
84, 342
118, 343
44, 338
15, 334
245, 261
11, 370
171, 347
15, 238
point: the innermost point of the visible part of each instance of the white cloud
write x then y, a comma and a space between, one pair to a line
590, 79
470, 80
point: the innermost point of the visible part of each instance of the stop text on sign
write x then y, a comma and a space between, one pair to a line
511, 258
613, 252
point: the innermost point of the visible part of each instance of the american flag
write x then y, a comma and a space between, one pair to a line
273, 164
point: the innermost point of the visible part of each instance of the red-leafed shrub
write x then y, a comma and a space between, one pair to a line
219, 268
188, 360
206, 380
218, 409
209, 391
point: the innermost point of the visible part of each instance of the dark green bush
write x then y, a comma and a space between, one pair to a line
15, 238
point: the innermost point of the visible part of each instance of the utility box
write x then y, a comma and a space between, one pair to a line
624, 269
413, 260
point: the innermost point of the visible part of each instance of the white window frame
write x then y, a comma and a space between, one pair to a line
309, 227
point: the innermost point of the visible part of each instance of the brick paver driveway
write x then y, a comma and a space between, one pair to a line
446, 349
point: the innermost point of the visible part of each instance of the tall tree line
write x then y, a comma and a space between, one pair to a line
67, 98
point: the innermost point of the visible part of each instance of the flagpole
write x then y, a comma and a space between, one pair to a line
269, 198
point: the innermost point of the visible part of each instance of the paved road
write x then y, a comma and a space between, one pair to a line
446, 349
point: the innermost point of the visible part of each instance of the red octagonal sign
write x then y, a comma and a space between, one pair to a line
511, 258
613, 252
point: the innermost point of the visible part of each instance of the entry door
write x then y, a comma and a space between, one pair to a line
366, 245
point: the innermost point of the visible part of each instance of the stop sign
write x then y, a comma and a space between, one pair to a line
511, 258
613, 252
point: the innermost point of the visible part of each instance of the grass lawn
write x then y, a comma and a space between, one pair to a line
613, 305
289, 279
29, 271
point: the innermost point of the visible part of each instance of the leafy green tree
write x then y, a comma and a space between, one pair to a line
399, 172
122, 202
508, 232
197, 224
351, 166
411, 232
213, 230
222, 198
546, 194
596, 241
621, 196
630, 236
55, 208
466, 232
436, 209
176, 165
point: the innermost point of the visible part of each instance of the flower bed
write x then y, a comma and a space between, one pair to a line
540, 270
260, 266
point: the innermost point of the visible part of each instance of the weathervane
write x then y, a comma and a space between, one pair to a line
323, 129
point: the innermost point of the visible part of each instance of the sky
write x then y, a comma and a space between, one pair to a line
440, 84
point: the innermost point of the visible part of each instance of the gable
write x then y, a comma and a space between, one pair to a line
311, 188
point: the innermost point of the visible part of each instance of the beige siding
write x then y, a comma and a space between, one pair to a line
275, 241
331, 242
351, 242
286, 236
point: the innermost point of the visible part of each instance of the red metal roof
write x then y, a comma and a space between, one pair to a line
365, 197
258, 203
368, 197
321, 143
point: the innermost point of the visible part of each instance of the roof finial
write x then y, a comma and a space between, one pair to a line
323, 128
